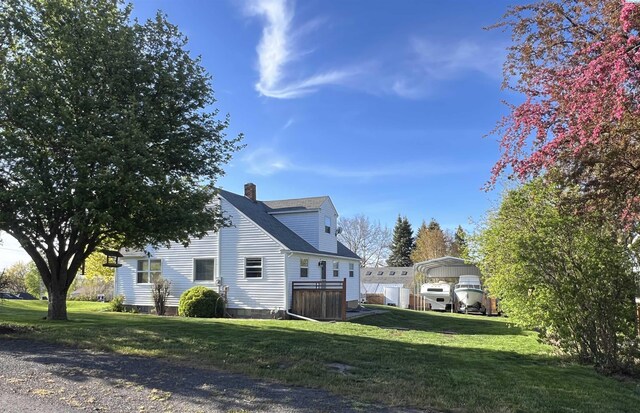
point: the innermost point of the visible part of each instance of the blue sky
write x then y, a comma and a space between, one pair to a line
381, 105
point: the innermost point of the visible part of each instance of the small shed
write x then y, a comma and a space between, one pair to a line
386, 285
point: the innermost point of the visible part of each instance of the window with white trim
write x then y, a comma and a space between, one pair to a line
336, 268
148, 270
327, 225
253, 267
203, 269
351, 269
304, 267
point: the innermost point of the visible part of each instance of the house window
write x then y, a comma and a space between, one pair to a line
351, 269
148, 270
203, 269
403, 273
304, 267
380, 272
368, 273
336, 268
253, 267
327, 225
392, 273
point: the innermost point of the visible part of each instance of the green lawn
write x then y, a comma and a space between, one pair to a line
448, 362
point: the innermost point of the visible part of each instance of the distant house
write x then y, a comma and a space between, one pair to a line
269, 245
379, 285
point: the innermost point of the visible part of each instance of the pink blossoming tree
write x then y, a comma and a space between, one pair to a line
577, 64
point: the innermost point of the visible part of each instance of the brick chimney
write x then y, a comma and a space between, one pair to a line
250, 191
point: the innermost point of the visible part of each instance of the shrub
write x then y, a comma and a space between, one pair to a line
160, 290
117, 304
201, 302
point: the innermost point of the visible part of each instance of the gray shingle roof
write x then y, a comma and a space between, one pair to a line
387, 275
302, 204
258, 212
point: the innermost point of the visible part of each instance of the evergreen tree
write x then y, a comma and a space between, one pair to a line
402, 245
459, 244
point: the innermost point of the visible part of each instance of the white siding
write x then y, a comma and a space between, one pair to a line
245, 239
177, 267
327, 242
305, 224
293, 273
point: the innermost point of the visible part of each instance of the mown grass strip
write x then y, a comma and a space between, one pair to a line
401, 358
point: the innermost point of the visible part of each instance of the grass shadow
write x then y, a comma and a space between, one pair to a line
471, 370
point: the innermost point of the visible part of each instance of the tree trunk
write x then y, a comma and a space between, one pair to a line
57, 305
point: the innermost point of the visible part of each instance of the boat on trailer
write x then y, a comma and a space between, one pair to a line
438, 295
469, 293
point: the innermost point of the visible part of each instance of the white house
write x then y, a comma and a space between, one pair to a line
269, 245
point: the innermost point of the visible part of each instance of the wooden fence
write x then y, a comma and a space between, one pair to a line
320, 300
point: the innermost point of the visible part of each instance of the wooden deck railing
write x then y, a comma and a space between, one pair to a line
320, 300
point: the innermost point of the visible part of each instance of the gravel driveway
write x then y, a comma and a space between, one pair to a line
41, 377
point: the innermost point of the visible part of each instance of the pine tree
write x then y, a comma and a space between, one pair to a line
402, 245
459, 244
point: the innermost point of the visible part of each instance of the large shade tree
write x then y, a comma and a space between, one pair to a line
576, 63
107, 135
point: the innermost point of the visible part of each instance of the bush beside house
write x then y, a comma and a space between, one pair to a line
201, 302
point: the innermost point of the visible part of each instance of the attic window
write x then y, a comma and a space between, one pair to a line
327, 225
403, 273
380, 272
392, 273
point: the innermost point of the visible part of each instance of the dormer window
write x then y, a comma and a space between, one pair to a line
327, 225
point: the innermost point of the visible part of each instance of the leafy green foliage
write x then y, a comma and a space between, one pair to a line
33, 282
200, 302
402, 245
94, 268
117, 304
566, 275
14, 278
431, 242
107, 135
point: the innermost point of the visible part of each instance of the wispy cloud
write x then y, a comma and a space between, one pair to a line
265, 161
288, 124
413, 71
445, 61
429, 64
277, 50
